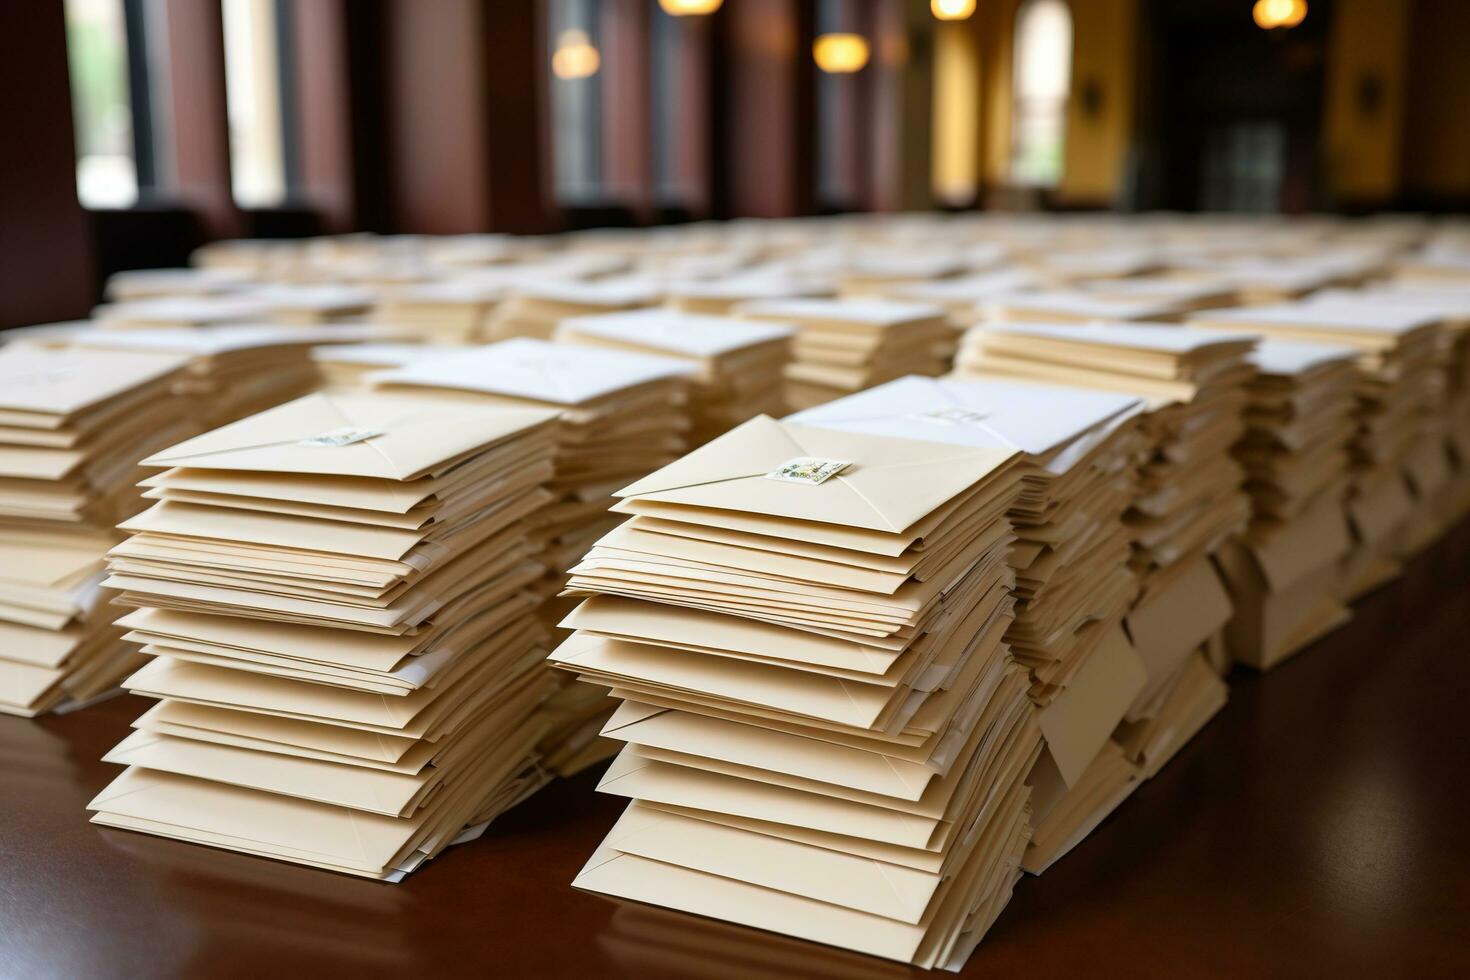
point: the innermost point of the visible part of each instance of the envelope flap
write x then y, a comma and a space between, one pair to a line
885, 484
752, 449
1077, 724
537, 370
351, 435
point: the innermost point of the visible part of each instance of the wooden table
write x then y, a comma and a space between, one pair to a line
1320, 826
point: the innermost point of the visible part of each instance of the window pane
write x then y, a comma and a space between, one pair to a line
576, 96
253, 88
1041, 79
97, 53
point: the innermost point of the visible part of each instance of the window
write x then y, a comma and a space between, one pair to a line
1041, 77
256, 63
576, 96
843, 123
677, 88
102, 111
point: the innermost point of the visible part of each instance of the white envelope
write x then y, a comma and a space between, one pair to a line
536, 370
1032, 418
681, 334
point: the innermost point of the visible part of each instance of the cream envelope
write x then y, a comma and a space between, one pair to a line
755, 746
676, 333
388, 495
536, 370
886, 485
190, 719
812, 695
353, 435
667, 624
37, 382
892, 891
369, 790
413, 716
1079, 721
841, 315
1034, 419
1174, 619
942, 799
630, 537
634, 775
1158, 339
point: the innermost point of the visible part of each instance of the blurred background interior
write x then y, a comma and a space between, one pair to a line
137, 130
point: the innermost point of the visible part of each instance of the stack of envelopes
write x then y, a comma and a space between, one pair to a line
1437, 510
1400, 395
623, 414
720, 296
1282, 572
1188, 501
451, 312
963, 298
311, 304
73, 425
737, 364
1190, 496
235, 370
534, 310
827, 735
346, 655
1079, 306
844, 346
1079, 448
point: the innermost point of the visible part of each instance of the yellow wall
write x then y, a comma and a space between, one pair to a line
956, 130
1103, 37
1369, 40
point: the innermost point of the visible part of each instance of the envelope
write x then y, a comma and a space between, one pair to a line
886, 485
862, 884
1030, 418
633, 774
753, 745
629, 618
536, 370
676, 333
820, 698
1079, 721
353, 435
44, 387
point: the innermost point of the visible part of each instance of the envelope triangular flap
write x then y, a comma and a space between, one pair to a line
387, 438
888, 484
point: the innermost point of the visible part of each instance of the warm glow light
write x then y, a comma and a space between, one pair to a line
575, 57
952, 9
684, 8
840, 54
1269, 14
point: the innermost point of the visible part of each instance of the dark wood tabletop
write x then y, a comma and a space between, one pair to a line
1320, 826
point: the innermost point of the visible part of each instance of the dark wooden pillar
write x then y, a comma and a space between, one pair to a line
463, 138
45, 237
198, 117
324, 114
764, 104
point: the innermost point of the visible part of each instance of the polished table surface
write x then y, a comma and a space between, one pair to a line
1319, 826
